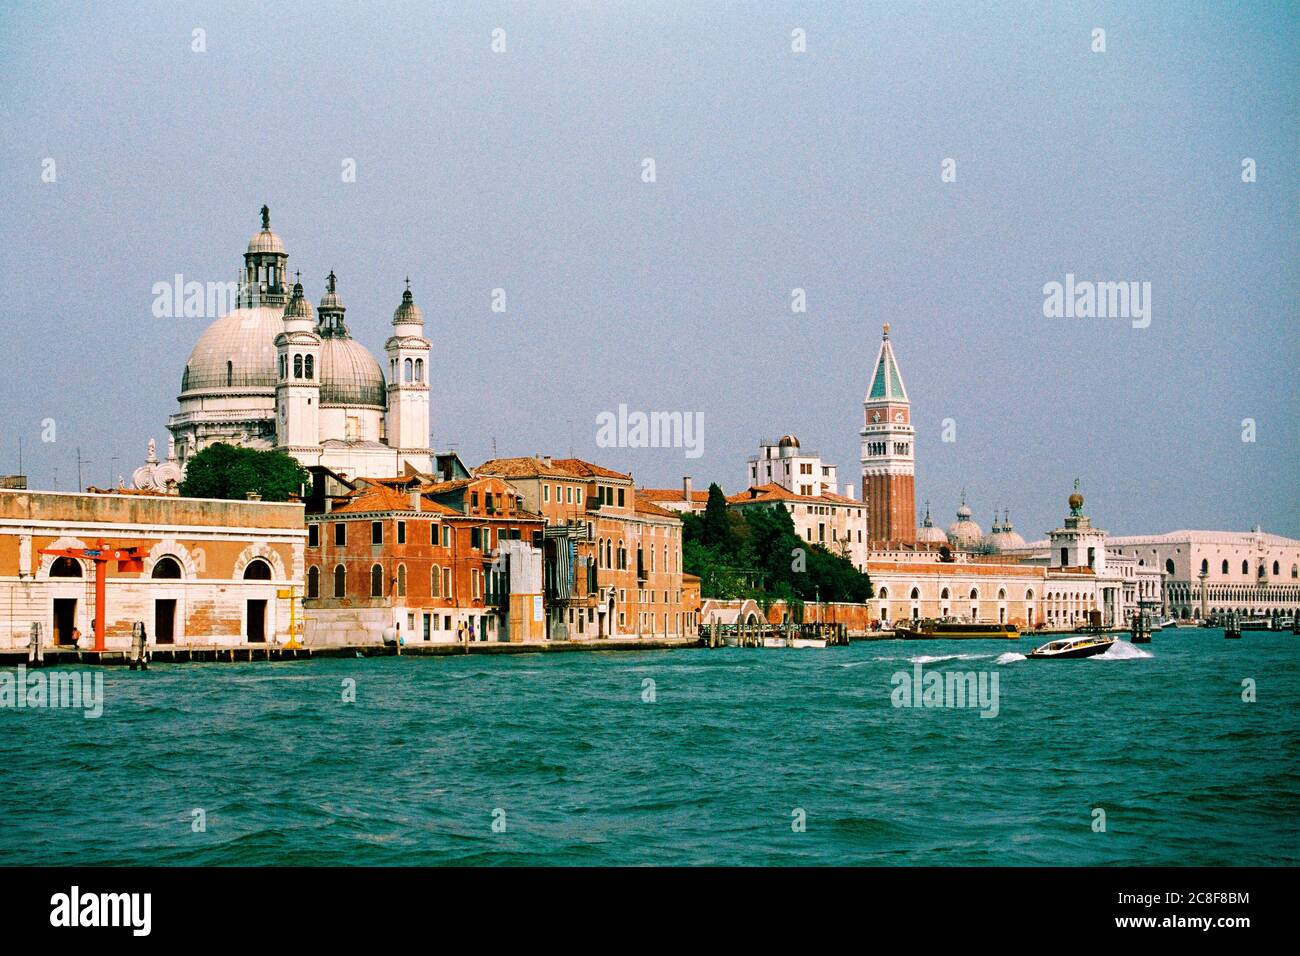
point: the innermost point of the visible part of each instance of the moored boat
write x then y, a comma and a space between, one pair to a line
955, 630
1072, 647
807, 642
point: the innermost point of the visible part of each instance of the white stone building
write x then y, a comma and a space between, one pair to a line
1208, 573
269, 374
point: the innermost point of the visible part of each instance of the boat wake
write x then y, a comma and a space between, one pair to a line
1122, 651
933, 659
1009, 657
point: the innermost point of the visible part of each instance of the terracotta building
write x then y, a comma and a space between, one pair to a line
613, 561
424, 561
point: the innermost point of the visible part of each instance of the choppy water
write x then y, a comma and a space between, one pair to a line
712, 772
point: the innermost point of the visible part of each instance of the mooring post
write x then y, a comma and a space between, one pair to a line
34, 649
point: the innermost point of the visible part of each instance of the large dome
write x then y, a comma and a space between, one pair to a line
236, 351
349, 374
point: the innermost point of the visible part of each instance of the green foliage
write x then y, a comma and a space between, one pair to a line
755, 553
227, 471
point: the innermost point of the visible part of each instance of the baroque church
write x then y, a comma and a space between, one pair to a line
274, 373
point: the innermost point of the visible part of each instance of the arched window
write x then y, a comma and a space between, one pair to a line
1029, 594
1295, 570
1169, 566
419, 370
376, 581
309, 366
340, 581
257, 570
406, 371
1205, 566
1276, 568
284, 365
884, 593
167, 567
1002, 594
1224, 569
436, 589
297, 366
401, 580
313, 582
974, 594
230, 373
65, 568
1245, 567
916, 594
943, 595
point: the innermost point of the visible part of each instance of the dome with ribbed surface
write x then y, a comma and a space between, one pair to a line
265, 241
298, 307
408, 313
349, 374
928, 533
236, 351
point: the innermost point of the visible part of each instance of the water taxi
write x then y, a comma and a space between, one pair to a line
1072, 647
955, 630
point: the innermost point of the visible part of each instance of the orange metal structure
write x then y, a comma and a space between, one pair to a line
128, 559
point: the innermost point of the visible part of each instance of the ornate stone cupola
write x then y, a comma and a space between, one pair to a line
264, 279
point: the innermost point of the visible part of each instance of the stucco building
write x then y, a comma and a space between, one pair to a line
212, 573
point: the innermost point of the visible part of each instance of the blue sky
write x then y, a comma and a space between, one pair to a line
775, 170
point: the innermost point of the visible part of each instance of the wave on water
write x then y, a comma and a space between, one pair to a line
1009, 657
1122, 651
933, 659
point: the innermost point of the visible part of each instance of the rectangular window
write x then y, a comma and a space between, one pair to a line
446, 584
376, 532
578, 496
473, 500
475, 538
401, 532
446, 536
546, 494
340, 534
568, 495
313, 535
620, 497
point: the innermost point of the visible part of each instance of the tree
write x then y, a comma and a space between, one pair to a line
716, 531
227, 471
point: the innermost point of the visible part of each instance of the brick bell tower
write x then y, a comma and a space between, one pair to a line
888, 444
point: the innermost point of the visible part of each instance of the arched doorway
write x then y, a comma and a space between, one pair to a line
255, 626
165, 568
64, 611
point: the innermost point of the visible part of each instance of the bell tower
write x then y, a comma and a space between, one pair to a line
888, 443
408, 384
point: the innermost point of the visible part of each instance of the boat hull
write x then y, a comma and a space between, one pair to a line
1070, 653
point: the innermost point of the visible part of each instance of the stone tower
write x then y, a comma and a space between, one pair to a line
888, 443
297, 390
408, 384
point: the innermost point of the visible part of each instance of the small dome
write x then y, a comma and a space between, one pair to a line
265, 241
298, 307
330, 301
1076, 501
408, 313
237, 350
349, 374
788, 441
929, 534
963, 512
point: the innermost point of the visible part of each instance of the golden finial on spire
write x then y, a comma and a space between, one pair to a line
886, 330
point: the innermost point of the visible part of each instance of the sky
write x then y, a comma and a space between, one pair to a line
775, 169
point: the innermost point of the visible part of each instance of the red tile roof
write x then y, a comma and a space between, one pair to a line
530, 467
773, 492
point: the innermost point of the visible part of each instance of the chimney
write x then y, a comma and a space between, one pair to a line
415, 499
686, 488
848, 490
253, 496
546, 460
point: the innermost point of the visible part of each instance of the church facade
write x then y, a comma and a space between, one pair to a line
274, 373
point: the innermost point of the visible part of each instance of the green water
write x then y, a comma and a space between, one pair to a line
737, 746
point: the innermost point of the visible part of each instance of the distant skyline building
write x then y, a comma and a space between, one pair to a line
888, 452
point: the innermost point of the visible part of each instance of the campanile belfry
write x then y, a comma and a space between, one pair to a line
888, 442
